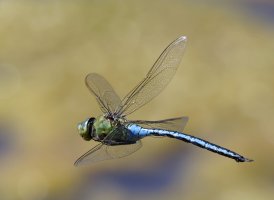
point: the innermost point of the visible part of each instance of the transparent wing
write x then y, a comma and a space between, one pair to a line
104, 93
104, 152
85, 157
157, 78
172, 124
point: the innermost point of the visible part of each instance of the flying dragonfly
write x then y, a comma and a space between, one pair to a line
119, 137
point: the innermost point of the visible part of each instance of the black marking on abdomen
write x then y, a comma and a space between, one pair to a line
198, 142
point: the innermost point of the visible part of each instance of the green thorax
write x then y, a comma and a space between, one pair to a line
103, 126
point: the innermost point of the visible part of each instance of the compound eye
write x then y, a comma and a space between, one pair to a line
85, 129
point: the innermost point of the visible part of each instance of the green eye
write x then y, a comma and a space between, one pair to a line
84, 129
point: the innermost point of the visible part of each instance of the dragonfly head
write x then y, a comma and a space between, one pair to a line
85, 129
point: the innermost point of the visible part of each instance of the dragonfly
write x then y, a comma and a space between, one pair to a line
117, 136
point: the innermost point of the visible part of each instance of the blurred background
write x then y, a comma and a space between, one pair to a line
224, 84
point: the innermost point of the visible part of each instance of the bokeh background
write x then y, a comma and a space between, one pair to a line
225, 85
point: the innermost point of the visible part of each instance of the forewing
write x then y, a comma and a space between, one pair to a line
104, 93
172, 124
157, 78
119, 151
92, 154
103, 152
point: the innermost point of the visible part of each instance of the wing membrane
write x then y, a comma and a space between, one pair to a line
104, 93
104, 152
172, 124
157, 78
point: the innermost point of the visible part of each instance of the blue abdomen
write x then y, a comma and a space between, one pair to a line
141, 132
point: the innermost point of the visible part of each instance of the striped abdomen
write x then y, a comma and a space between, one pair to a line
143, 132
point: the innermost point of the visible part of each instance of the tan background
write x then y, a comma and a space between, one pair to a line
224, 84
